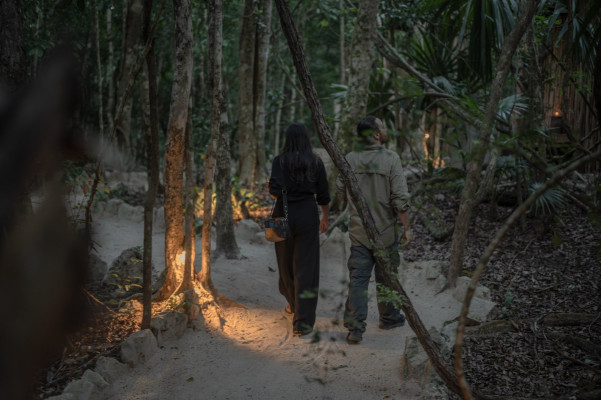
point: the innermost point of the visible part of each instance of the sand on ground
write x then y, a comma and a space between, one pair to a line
254, 355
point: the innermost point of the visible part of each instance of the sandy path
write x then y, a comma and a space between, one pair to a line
255, 355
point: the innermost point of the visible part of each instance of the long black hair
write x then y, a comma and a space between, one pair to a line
297, 157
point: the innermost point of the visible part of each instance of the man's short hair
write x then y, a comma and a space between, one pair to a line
367, 127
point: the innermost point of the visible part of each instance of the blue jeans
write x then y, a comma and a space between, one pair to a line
360, 264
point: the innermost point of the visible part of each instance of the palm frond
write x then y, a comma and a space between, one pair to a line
550, 202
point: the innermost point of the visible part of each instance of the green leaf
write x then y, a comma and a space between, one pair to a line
190, 379
556, 239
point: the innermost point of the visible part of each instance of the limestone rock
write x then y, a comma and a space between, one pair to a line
247, 230
168, 325
482, 310
432, 269
95, 378
415, 363
63, 396
125, 273
110, 369
96, 268
463, 282
82, 389
337, 242
138, 348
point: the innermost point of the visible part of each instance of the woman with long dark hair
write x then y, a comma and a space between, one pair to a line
302, 174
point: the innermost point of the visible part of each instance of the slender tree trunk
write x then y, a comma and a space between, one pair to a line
215, 54
152, 159
277, 129
189, 229
110, 68
246, 139
99, 66
473, 175
362, 57
352, 186
263, 34
174, 169
132, 36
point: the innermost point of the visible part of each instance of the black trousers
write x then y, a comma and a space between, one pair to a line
298, 262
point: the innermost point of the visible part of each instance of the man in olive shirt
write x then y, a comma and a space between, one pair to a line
380, 176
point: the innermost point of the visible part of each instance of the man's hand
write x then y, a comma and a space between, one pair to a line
323, 225
407, 238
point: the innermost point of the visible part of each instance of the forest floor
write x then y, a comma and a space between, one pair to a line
549, 266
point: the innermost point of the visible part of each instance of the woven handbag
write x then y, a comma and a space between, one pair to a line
277, 228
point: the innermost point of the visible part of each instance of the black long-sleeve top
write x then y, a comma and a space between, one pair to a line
317, 189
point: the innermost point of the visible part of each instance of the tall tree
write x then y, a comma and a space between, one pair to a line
263, 32
174, 157
215, 55
246, 56
252, 85
133, 23
361, 61
152, 157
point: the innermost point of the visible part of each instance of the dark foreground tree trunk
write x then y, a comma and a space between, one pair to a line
12, 73
350, 181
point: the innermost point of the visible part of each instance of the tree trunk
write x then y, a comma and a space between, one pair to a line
174, 157
110, 73
99, 66
352, 186
362, 57
263, 34
152, 166
277, 129
484, 140
131, 41
246, 140
215, 54
12, 73
189, 228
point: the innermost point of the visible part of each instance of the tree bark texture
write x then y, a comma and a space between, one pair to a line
215, 54
483, 143
263, 33
12, 72
110, 102
175, 152
351, 184
131, 42
361, 61
246, 139
99, 66
189, 200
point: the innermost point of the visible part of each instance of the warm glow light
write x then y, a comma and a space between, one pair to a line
557, 113
427, 135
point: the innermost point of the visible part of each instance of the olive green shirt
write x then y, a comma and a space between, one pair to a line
380, 176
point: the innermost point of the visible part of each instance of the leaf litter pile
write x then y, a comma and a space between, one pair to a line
546, 281
100, 333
